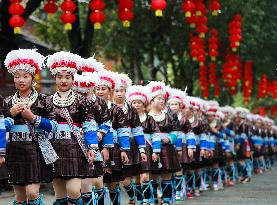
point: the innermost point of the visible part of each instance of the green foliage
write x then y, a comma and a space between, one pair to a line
51, 30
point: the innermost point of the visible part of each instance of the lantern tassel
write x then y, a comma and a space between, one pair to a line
202, 35
17, 30
158, 12
192, 25
126, 24
97, 26
68, 26
198, 13
214, 13
188, 14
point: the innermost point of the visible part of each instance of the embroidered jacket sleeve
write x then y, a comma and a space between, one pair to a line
89, 125
182, 134
203, 134
45, 111
154, 133
2, 130
175, 128
122, 129
137, 129
9, 119
103, 119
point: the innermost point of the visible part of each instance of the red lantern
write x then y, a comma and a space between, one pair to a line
16, 10
16, 22
158, 6
50, 7
122, 4
68, 18
68, 7
188, 7
202, 30
214, 7
200, 9
126, 16
97, 16
192, 21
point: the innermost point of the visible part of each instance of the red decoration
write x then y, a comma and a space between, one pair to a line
50, 7
16, 10
200, 9
192, 20
158, 6
273, 111
235, 32
262, 87
212, 74
262, 111
217, 89
231, 72
188, 7
213, 44
248, 81
201, 21
97, 16
203, 80
125, 13
214, 7
68, 7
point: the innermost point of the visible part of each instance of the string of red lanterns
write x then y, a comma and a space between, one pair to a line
97, 16
248, 81
213, 53
217, 88
231, 72
262, 87
235, 32
125, 13
16, 10
68, 18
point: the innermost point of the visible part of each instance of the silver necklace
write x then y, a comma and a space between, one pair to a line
64, 102
28, 101
157, 117
125, 108
109, 104
180, 116
143, 117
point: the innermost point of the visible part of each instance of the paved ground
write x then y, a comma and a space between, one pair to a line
262, 190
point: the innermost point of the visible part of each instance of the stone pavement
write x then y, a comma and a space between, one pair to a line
262, 190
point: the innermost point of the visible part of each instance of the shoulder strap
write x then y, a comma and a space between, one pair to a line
69, 121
